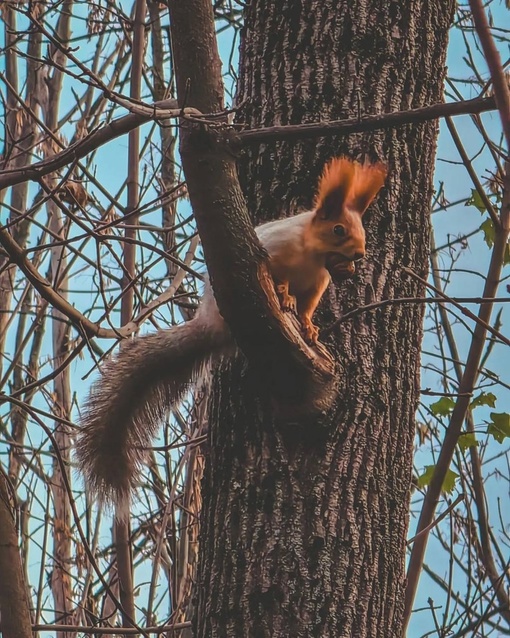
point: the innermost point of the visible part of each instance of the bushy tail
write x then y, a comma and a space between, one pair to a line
128, 403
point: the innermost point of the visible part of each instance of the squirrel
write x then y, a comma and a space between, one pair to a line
127, 404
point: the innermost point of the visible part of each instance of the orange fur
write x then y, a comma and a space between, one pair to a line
346, 182
368, 181
336, 181
305, 250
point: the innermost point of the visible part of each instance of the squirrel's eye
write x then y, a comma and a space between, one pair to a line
339, 230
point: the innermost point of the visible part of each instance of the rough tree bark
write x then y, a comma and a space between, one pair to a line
304, 527
15, 620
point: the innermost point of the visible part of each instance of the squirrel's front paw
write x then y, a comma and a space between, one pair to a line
287, 302
310, 331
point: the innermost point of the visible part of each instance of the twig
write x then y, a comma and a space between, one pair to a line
169, 293
443, 299
48, 293
427, 529
472, 173
467, 313
72, 503
113, 630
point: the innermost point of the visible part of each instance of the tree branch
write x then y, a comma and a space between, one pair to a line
472, 173
493, 59
242, 284
168, 109
466, 386
367, 123
18, 256
175, 627
436, 522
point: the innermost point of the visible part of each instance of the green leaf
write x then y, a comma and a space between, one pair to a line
489, 232
424, 479
506, 256
484, 398
443, 407
476, 201
449, 480
499, 427
467, 440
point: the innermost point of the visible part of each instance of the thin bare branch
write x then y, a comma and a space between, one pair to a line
466, 386
492, 57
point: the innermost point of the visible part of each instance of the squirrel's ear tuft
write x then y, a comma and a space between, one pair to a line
368, 181
334, 187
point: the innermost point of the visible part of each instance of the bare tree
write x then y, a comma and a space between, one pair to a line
305, 500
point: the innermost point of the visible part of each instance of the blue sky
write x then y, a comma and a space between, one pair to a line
452, 222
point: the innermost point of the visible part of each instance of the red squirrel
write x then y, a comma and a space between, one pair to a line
147, 377
304, 248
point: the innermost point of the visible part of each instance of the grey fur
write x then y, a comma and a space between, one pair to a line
128, 403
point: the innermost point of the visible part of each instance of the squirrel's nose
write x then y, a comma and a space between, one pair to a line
358, 256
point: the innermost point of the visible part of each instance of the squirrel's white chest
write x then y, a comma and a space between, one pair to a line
290, 259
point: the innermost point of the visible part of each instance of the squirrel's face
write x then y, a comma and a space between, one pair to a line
342, 235
345, 191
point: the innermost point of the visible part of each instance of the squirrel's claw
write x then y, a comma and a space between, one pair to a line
310, 330
287, 302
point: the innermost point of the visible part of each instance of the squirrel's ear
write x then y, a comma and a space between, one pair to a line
368, 181
334, 187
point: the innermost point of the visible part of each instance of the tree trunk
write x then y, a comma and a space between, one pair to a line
304, 525
15, 619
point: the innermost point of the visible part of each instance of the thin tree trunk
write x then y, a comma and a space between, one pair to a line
61, 583
122, 532
15, 620
19, 138
304, 525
